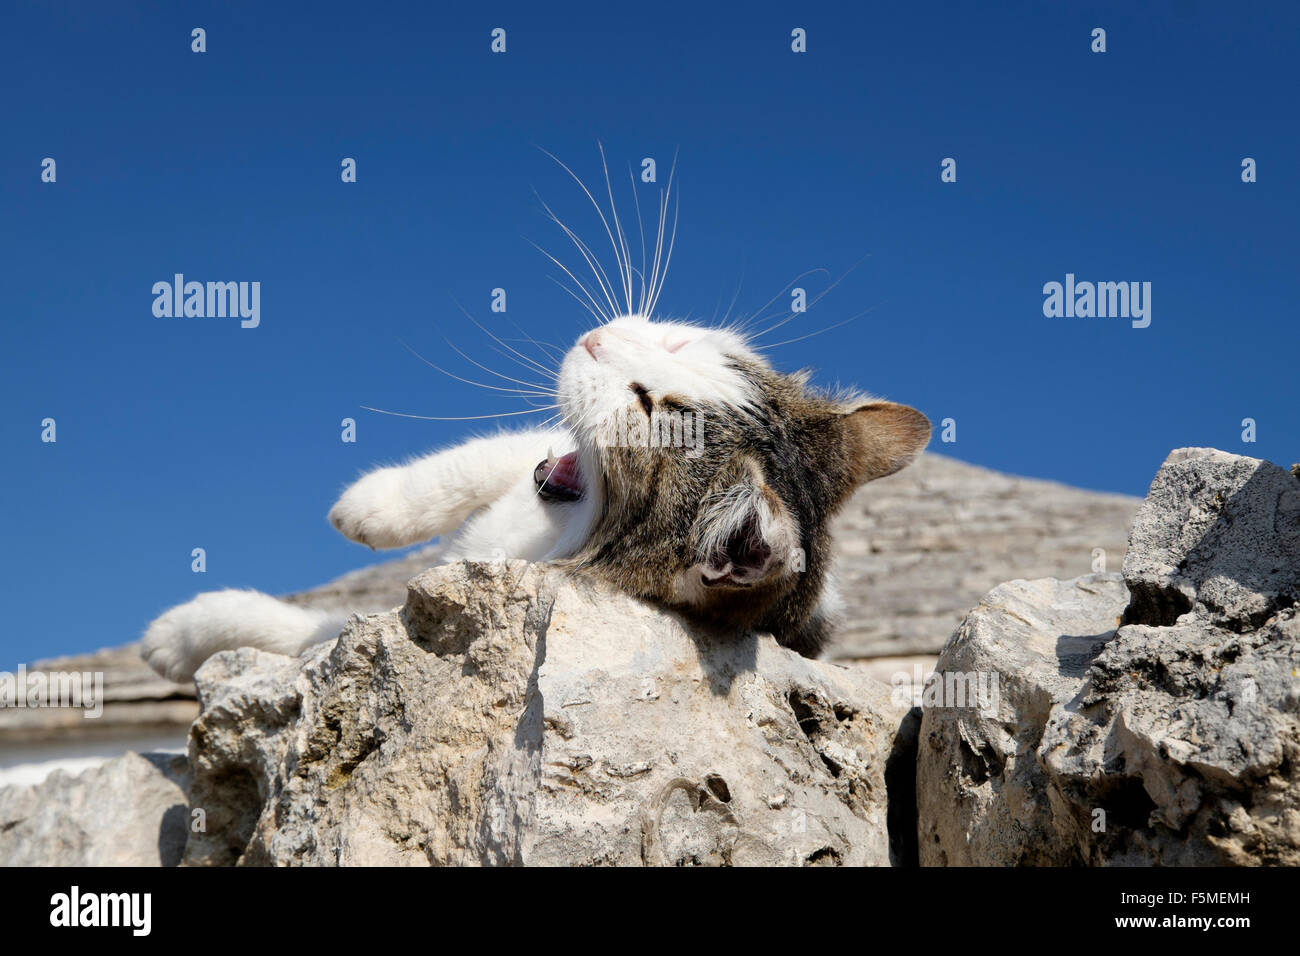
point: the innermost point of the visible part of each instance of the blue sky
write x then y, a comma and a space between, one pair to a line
178, 433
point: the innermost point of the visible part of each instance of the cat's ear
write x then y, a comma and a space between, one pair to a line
746, 535
882, 438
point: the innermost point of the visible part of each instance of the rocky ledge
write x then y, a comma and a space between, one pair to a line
914, 551
1151, 718
507, 714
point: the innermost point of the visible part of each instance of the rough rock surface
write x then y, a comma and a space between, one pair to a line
1218, 534
1173, 739
130, 811
507, 715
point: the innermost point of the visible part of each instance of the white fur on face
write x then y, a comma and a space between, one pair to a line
686, 361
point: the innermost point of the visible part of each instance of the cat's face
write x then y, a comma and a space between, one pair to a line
713, 477
606, 371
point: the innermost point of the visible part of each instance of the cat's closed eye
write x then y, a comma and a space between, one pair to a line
643, 396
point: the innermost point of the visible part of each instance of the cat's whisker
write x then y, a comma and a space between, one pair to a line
656, 277
593, 261
552, 350
554, 353
600, 319
599, 211
639, 289
640, 275
519, 358
517, 381
658, 255
662, 274
625, 258
735, 295
764, 348
457, 418
578, 425
640, 226
526, 361
595, 307
660, 224
756, 317
817, 299
556, 417
495, 388
672, 241
505, 354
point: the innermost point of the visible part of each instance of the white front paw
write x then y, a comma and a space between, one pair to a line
372, 511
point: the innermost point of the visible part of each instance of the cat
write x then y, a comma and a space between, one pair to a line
734, 531
731, 528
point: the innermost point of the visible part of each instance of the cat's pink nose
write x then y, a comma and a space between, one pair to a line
590, 341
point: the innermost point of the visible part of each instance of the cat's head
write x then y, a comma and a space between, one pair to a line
712, 477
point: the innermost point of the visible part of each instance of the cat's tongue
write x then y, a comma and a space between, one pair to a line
558, 479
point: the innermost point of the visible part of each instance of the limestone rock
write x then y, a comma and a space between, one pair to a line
1158, 730
509, 715
130, 811
1217, 532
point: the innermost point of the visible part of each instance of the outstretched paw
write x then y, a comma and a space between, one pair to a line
371, 511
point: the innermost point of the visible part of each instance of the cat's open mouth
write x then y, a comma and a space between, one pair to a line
558, 479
